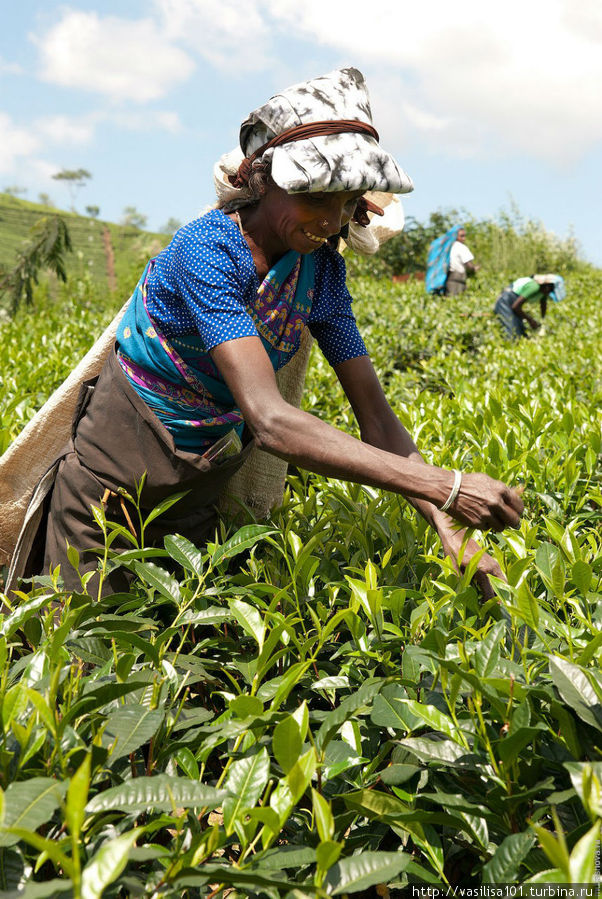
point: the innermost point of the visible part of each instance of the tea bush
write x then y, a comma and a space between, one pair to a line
319, 705
507, 243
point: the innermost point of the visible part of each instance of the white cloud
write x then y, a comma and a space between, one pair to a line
16, 144
227, 34
61, 129
522, 77
479, 79
10, 68
148, 120
167, 121
40, 172
122, 59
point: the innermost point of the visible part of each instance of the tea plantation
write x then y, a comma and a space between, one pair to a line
319, 705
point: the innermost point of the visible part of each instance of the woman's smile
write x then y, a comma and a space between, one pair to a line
314, 237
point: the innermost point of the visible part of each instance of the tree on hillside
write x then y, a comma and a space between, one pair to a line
50, 241
133, 218
75, 180
93, 211
15, 190
171, 226
45, 199
407, 252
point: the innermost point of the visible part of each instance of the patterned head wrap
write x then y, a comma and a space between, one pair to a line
558, 291
347, 160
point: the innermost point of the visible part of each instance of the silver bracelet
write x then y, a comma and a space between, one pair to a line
454, 491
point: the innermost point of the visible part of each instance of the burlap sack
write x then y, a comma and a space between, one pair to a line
259, 484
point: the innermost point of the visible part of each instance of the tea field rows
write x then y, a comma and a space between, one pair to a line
319, 704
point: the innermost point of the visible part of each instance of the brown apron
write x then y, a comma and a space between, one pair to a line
115, 440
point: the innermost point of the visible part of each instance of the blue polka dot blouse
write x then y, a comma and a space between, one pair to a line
205, 281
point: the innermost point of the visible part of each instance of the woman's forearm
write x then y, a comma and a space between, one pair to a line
394, 438
386, 458
306, 441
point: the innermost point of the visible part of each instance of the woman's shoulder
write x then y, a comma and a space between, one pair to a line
211, 226
211, 237
330, 277
329, 262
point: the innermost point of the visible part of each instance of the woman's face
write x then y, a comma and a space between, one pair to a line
304, 221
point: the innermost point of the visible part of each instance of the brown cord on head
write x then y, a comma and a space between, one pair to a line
301, 132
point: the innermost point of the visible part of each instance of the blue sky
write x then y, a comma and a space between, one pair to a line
483, 104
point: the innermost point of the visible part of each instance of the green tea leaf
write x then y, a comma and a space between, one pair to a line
527, 605
29, 804
549, 563
590, 650
107, 864
77, 796
14, 704
322, 816
158, 578
444, 752
487, 654
511, 746
375, 804
576, 690
185, 553
163, 793
300, 775
99, 697
245, 783
389, 709
249, 619
11, 870
348, 707
350, 875
327, 853
283, 857
243, 539
581, 575
131, 727
436, 719
164, 505
505, 863
585, 856
287, 743
12, 622
554, 848
246, 706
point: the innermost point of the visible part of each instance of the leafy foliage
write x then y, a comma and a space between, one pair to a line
49, 242
320, 705
509, 244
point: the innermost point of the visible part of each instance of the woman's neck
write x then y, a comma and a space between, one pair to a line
265, 248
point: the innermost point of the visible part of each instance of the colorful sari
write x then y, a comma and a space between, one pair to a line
177, 378
437, 264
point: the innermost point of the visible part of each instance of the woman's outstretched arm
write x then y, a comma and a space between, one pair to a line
308, 442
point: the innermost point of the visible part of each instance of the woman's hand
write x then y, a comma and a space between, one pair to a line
485, 503
453, 540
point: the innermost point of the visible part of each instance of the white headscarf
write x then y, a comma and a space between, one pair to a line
363, 240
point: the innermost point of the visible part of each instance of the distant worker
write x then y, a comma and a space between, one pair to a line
449, 262
510, 306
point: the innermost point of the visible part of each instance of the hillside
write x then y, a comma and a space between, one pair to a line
103, 249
